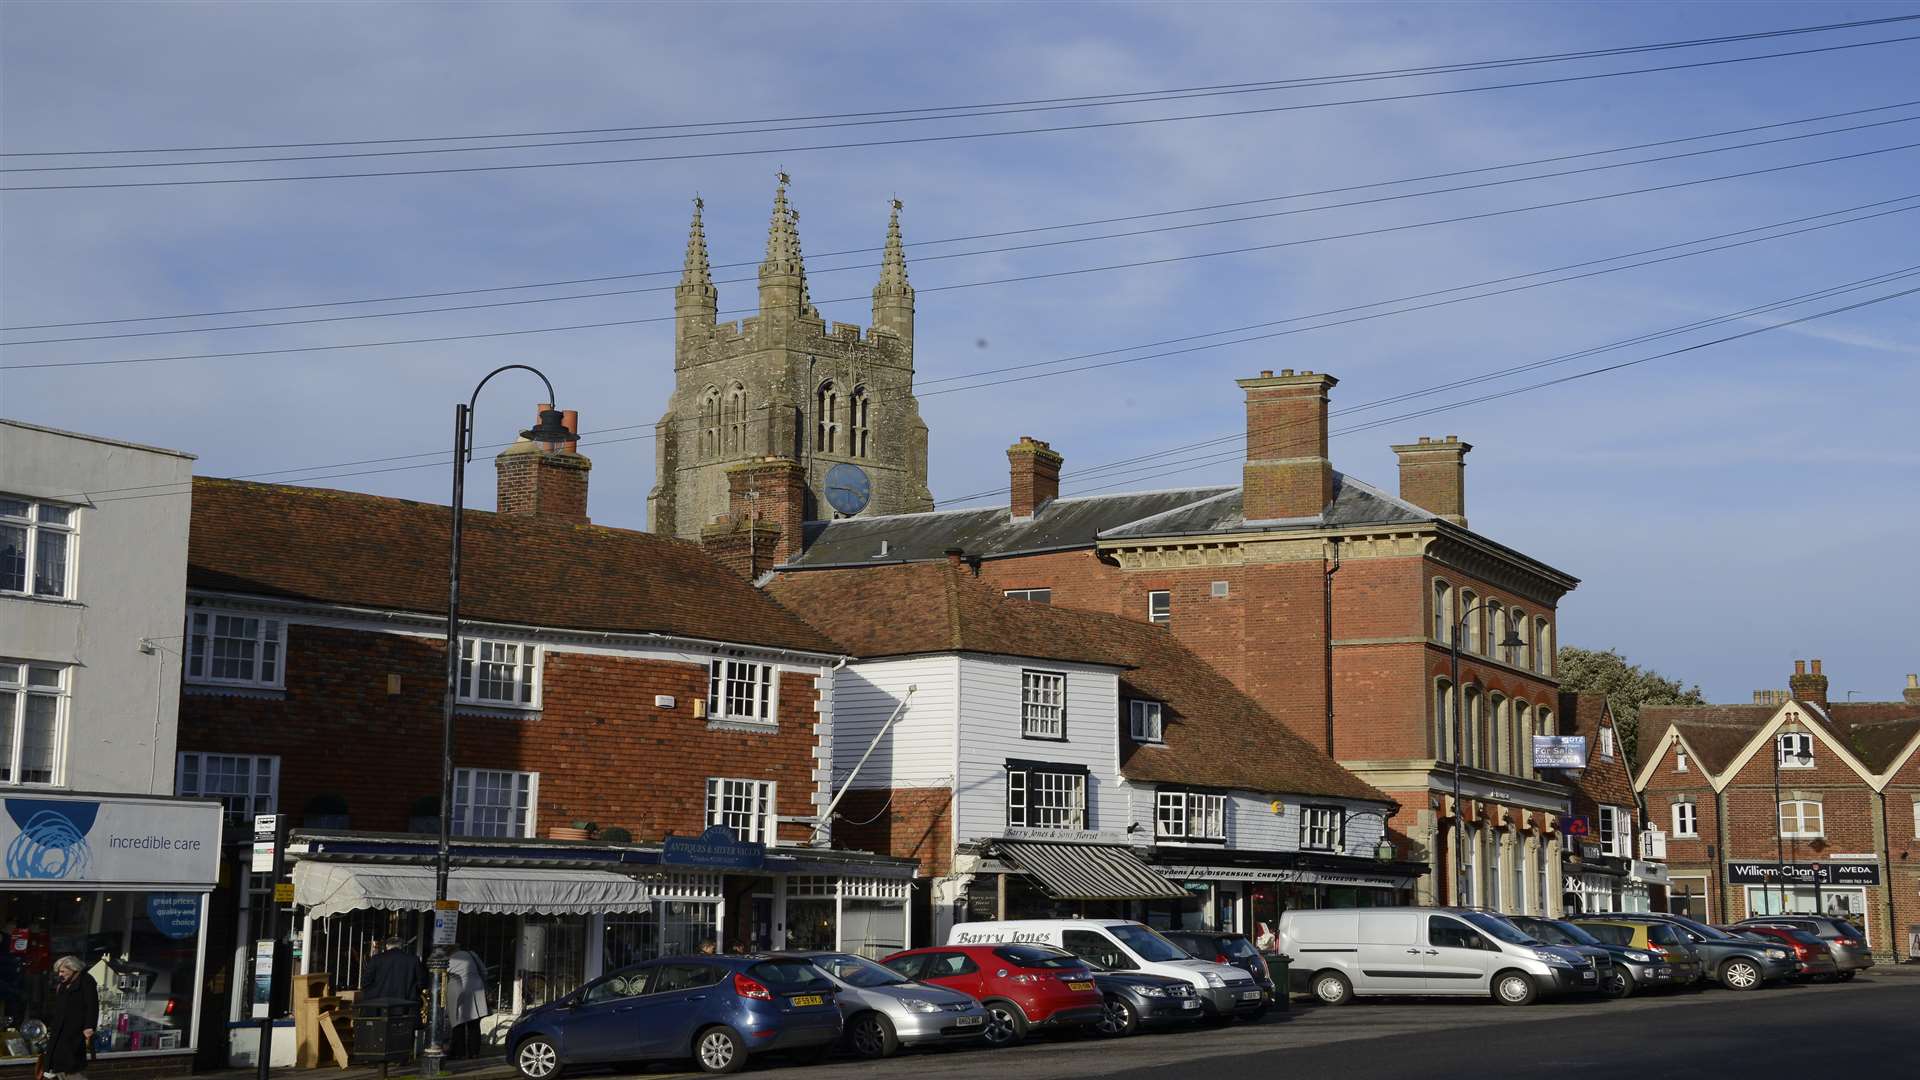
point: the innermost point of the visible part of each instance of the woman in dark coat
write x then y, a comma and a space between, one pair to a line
71, 1017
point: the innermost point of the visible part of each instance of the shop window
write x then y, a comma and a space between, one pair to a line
1043, 705
503, 673
227, 649
1190, 815
494, 802
1796, 749
1801, 819
1036, 596
1320, 828
1160, 606
743, 691
33, 713
36, 547
246, 784
745, 806
1686, 819
1046, 799
1146, 721
142, 949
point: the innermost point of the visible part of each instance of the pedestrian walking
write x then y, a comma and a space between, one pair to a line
467, 1001
74, 1011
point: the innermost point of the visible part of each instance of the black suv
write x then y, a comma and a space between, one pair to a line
1232, 949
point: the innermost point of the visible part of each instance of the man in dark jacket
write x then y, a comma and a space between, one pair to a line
71, 1017
394, 973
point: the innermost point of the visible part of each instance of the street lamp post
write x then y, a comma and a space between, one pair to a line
1461, 888
1779, 824
549, 430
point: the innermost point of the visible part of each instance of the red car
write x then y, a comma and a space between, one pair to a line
1022, 986
1811, 958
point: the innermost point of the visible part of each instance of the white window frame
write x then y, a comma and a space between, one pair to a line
1801, 819
1191, 816
1042, 595
754, 804
1043, 705
522, 813
192, 768
1321, 828
1542, 646
523, 672
1616, 830
1606, 743
1160, 606
1041, 798
32, 530
1686, 820
1679, 760
22, 681
743, 691
1916, 820
1146, 721
267, 664
1802, 739
1442, 611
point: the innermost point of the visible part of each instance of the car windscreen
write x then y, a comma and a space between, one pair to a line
1498, 928
1559, 933
1034, 956
1150, 946
1848, 930
858, 971
788, 976
1662, 934
1703, 929
1239, 948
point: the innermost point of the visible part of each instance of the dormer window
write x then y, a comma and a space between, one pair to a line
1145, 721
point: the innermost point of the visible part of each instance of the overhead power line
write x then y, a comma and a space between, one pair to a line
960, 136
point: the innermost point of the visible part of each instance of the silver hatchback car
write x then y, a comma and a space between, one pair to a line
885, 1010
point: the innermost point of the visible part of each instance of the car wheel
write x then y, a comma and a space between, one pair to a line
1332, 988
1738, 974
718, 1050
1513, 988
537, 1059
1118, 1019
1006, 1024
1619, 984
872, 1036
1847, 976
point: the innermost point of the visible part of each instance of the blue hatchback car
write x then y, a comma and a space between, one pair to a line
717, 1010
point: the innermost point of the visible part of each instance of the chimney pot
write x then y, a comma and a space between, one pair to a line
1268, 374
1799, 667
1911, 695
1816, 667
1811, 687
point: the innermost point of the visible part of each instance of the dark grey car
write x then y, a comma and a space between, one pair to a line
1624, 970
1843, 939
1734, 963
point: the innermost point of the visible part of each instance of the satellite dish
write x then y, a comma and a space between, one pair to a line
848, 489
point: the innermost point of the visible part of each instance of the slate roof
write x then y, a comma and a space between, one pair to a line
343, 547
1874, 731
1355, 502
1216, 736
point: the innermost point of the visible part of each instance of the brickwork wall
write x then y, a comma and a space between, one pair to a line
604, 752
908, 823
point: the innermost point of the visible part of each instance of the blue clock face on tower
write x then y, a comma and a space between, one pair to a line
848, 489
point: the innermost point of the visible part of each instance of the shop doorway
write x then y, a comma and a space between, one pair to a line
1228, 909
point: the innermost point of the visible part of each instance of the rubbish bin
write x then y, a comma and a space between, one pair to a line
1278, 965
383, 1031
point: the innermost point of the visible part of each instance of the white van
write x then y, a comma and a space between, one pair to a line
1346, 952
1122, 945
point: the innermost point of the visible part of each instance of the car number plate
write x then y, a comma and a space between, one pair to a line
1190, 1003
1587, 975
808, 999
1249, 995
970, 1021
1079, 986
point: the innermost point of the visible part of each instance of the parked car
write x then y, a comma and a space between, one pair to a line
1135, 999
1810, 954
1651, 945
1627, 969
1225, 991
1845, 941
1233, 949
1340, 954
1733, 962
885, 1010
717, 1010
1022, 987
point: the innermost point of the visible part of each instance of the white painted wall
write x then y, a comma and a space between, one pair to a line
918, 750
1253, 826
989, 734
129, 577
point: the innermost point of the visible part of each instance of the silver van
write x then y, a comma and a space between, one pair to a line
1342, 953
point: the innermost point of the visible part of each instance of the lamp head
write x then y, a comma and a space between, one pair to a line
1512, 640
551, 429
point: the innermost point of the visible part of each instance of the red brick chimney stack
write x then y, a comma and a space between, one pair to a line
1287, 473
1433, 476
1808, 686
766, 513
1034, 469
548, 479
1911, 695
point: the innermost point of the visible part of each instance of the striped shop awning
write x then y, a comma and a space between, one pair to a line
1089, 871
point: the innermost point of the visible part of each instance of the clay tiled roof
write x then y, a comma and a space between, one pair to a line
1216, 736
1609, 782
1874, 731
342, 547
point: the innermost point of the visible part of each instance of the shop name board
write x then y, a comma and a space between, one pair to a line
717, 848
1559, 751
62, 839
1282, 876
1823, 873
1066, 836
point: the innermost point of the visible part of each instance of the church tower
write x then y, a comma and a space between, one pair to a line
785, 386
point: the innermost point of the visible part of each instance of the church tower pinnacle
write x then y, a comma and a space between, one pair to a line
893, 296
696, 302
783, 276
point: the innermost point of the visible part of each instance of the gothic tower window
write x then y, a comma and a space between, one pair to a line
736, 419
859, 433
826, 410
710, 424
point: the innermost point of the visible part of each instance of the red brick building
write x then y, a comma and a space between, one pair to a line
1612, 856
618, 689
1325, 599
1791, 803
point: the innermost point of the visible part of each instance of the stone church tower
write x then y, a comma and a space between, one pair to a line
785, 386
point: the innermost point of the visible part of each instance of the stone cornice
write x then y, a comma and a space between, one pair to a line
1254, 548
1532, 581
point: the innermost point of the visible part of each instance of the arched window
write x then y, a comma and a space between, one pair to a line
1501, 759
859, 433
1496, 630
1523, 739
1523, 656
710, 424
736, 419
1545, 721
1442, 611
1470, 632
1474, 729
826, 411
1442, 720
1543, 646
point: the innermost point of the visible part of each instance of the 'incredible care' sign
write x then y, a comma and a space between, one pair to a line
66, 839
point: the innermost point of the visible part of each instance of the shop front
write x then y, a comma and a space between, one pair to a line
1593, 883
1245, 892
121, 883
1047, 879
1836, 889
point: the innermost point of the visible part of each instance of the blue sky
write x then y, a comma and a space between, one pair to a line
1728, 510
